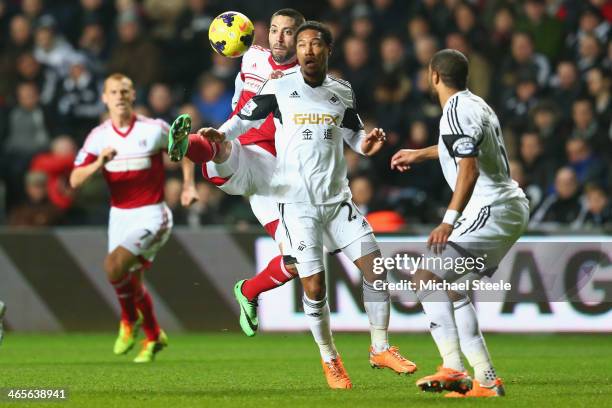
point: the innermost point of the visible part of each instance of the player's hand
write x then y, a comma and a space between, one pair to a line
439, 237
373, 141
212, 134
189, 195
107, 154
403, 159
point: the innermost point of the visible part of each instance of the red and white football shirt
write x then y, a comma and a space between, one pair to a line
256, 68
135, 176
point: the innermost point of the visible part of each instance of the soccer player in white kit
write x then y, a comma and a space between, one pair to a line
488, 212
314, 115
128, 149
245, 165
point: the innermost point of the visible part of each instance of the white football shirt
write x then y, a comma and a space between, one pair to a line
311, 125
470, 128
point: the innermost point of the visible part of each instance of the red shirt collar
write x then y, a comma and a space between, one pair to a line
129, 129
275, 66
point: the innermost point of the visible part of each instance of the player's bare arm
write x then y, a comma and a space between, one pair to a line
373, 142
466, 180
189, 194
81, 174
404, 158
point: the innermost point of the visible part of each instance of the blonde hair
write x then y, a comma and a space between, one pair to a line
117, 77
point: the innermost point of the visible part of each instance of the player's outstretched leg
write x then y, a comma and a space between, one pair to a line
2, 312
181, 143
247, 291
156, 339
178, 137
377, 306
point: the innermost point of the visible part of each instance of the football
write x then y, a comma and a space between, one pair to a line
231, 34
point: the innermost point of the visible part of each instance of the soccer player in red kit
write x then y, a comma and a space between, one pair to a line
128, 149
244, 166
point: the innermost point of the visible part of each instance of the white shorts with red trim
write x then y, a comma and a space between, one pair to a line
142, 231
247, 171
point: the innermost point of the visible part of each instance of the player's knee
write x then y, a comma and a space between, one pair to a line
291, 268
113, 268
314, 286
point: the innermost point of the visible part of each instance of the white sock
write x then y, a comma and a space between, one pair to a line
442, 327
317, 314
377, 307
473, 344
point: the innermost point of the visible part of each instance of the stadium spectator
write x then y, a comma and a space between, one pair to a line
362, 26
20, 36
387, 16
589, 53
417, 27
546, 30
538, 169
586, 127
90, 12
56, 165
32, 9
37, 210
565, 86
522, 62
598, 84
546, 122
94, 45
500, 37
523, 98
134, 55
599, 208
358, 70
224, 69
50, 47
213, 100
467, 24
424, 49
563, 206
27, 130
78, 99
28, 69
190, 37
591, 22
479, 80
589, 168
160, 102
392, 55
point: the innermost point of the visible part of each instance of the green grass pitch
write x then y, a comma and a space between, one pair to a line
230, 370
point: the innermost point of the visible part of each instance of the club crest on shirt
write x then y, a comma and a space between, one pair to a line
249, 107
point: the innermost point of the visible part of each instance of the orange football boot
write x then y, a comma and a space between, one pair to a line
446, 379
391, 358
481, 391
335, 374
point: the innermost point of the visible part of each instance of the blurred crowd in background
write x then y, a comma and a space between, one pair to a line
544, 66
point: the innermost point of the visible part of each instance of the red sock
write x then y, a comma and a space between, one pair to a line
125, 293
273, 276
201, 150
144, 303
